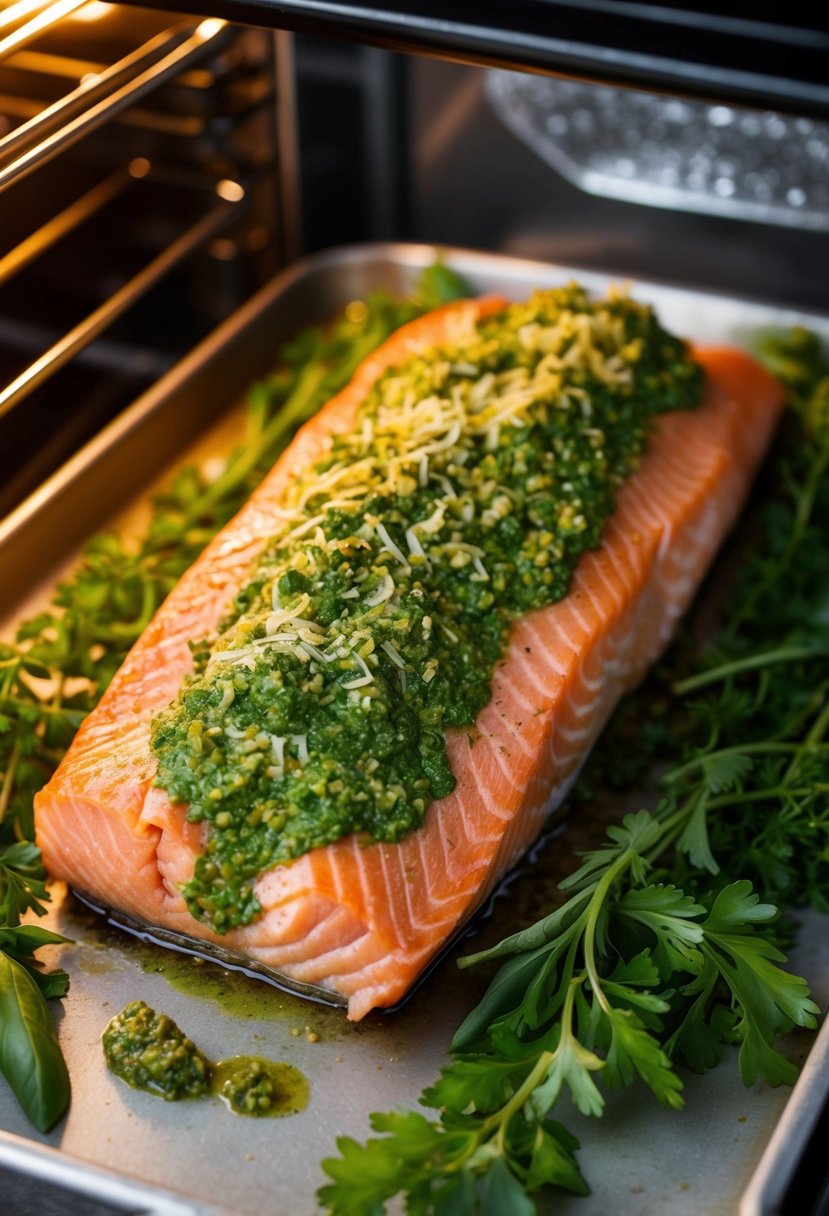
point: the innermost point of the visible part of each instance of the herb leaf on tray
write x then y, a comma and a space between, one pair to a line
666, 946
30, 1057
64, 658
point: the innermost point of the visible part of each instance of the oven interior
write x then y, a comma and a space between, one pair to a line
156, 168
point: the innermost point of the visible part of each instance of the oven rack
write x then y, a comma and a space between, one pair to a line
139, 203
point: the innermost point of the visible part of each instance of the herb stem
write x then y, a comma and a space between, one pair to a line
128, 631
812, 740
768, 658
501, 1118
73, 716
777, 791
8, 777
754, 749
803, 514
591, 915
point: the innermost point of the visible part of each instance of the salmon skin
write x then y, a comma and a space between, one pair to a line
360, 920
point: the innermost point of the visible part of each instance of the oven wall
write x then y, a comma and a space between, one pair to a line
411, 148
476, 183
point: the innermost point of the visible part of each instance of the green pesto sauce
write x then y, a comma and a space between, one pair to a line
148, 1051
476, 476
250, 1085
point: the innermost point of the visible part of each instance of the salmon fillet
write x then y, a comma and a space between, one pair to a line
363, 920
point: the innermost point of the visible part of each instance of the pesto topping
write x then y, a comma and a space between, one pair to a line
475, 477
148, 1051
250, 1085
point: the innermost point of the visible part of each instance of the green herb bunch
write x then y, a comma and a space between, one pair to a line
63, 659
667, 944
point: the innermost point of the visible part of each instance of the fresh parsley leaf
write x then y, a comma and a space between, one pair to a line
726, 770
633, 1050
571, 1066
769, 1001
551, 1158
22, 883
503, 1193
672, 918
479, 1083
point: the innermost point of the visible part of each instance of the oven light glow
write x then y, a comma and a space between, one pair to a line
231, 192
210, 28
19, 11
96, 10
51, 14
139, 167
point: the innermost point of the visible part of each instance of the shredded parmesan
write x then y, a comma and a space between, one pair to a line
300, 742
277, 619
394, 655
390, 545
415, 547
365, 678
317, 654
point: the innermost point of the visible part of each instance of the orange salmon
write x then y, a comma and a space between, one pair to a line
362, 920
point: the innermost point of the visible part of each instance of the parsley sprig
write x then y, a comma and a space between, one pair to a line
623, 979
63, 659
666, 946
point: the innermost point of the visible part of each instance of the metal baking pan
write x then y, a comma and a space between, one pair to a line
120, 1150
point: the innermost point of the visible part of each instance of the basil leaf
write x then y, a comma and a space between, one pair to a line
50, 983
30, 1058
25, 939
502, 996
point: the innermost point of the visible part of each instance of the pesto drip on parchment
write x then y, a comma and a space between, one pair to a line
475, 476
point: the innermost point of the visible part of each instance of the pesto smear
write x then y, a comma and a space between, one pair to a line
148, 1051
259, 1088
473, 480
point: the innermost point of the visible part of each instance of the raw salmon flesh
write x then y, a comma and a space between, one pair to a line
363, 920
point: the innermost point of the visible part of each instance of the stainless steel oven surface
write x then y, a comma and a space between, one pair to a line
157, 170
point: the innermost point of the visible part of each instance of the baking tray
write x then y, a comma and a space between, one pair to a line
119, 1150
